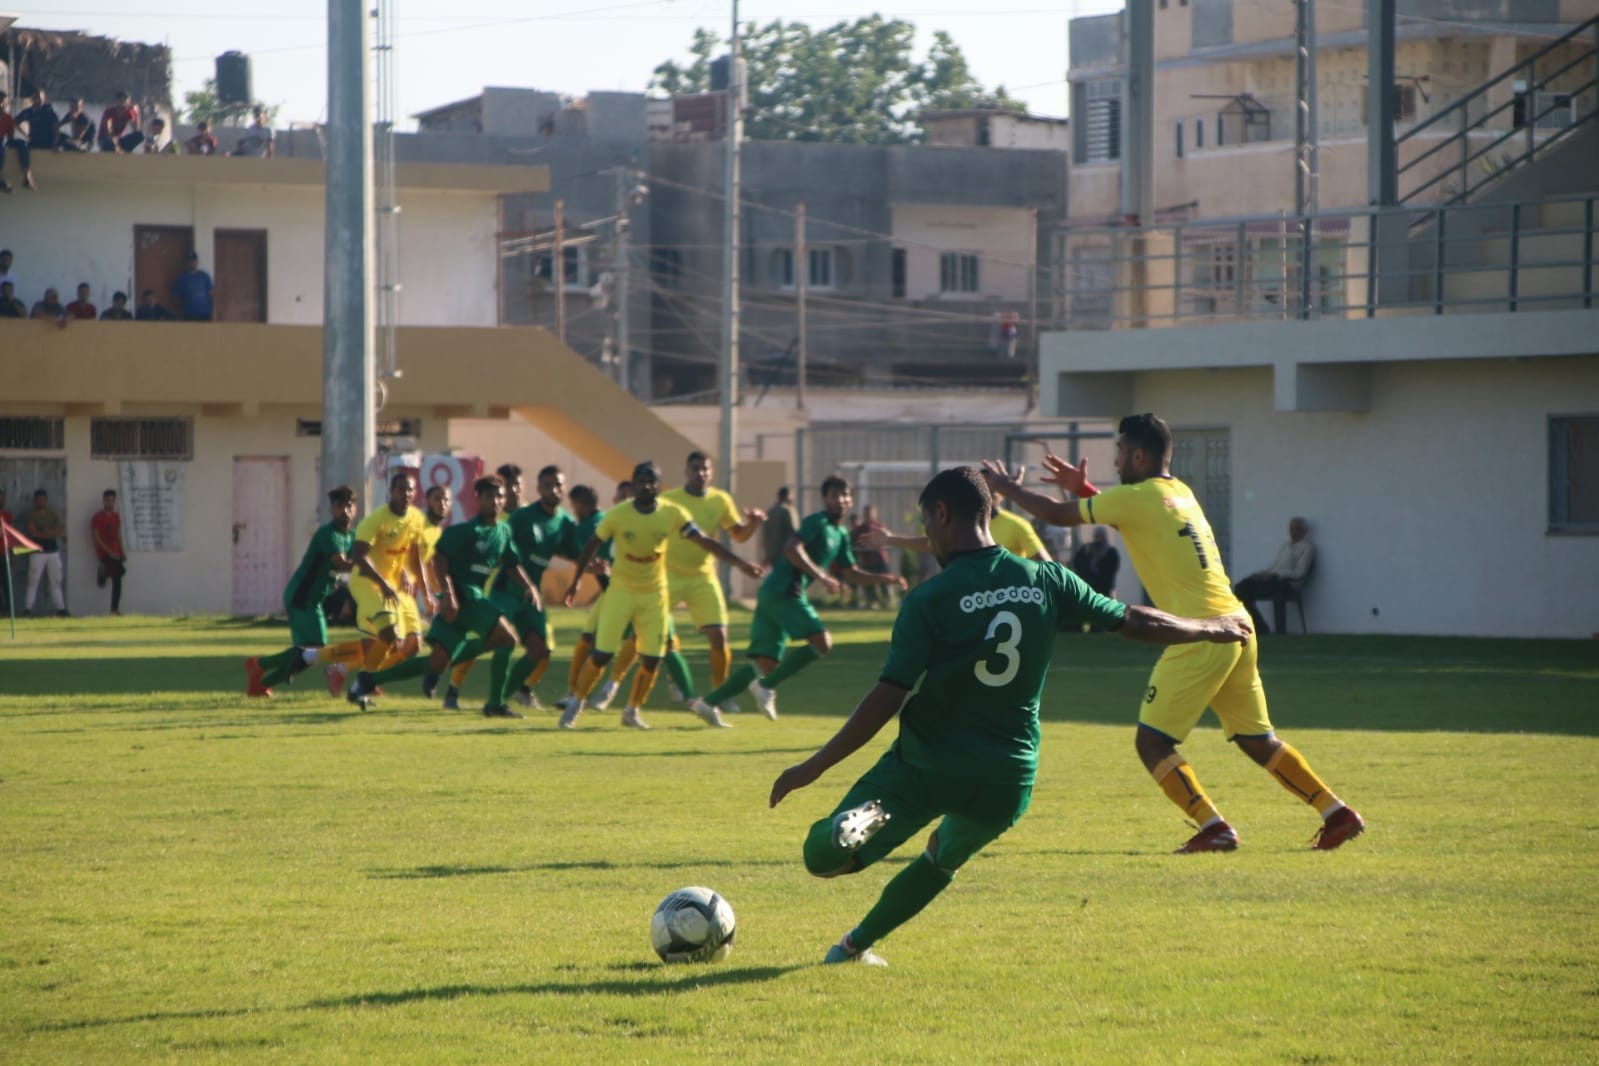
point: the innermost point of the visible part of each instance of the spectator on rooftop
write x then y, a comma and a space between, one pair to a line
77, 130
50, 307
256, 141
119, 126
118, 311
9, 139
82, 307
42, 122
192, 290
150, 311
156, 142
5, 266
203, 142
10, 306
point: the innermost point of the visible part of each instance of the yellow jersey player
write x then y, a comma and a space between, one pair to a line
388, 545
1016, 535
1175, 554
641, 529
691, 573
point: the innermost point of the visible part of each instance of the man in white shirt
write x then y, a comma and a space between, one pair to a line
1287, 573
256, 140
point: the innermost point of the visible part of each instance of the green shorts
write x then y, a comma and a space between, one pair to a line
473, 618
975, 813
308, 627
523, 616
778, 620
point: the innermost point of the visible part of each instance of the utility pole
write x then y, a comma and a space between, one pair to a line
624, 361
802, 267
348, 383
1307, 150
558, 269
727, 460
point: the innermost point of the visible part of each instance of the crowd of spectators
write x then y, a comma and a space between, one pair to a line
120, 131
190, 295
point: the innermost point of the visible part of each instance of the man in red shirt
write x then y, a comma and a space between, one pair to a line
107, 528
82, 307
9, 139
119, 126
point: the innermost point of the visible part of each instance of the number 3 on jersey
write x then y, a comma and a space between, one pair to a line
1007, 648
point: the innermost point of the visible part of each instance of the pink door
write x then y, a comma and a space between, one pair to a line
260, 534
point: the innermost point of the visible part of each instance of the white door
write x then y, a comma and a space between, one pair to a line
260, 534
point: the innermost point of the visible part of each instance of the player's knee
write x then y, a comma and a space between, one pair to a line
601, 659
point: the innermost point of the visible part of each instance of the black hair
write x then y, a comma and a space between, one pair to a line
39, 492
118, 295
834, 482
436, 488
647, 469
549, 471
696, 457
488, 483
342, 495
108, 492
962, 491
1148, 432
508, 471
782, 494
399, 477
583, 494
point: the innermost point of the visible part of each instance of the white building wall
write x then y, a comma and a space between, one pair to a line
448, 261
1003, 238
1428, 512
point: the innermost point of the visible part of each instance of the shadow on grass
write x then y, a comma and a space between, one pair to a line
694, 752
426, 873
666, 983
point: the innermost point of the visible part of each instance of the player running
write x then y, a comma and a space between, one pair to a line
641, 530
468, 557
327, 556
388, 546
978, 636
1177, 560
784, 613
511, 474
691, 573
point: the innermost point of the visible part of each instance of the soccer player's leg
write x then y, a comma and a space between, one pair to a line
651, 627
615, 615
443, 640
377, 621
1181, 686
532, 629
983, 812
837, 845
707, 608
308, 628
677, 672
766, 643
581, 653
1240, 703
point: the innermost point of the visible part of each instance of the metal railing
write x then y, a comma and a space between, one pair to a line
1454, 183
1443, 258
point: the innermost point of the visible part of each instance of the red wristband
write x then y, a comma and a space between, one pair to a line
1088, 490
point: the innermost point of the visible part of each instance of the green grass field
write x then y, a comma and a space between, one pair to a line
192, 875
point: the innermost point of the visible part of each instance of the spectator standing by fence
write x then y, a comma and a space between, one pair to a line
10, 141
106, 525
43, 527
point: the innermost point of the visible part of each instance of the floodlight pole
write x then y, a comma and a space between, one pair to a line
727, 443
348, 380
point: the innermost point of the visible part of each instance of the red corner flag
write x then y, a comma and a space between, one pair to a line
14, 542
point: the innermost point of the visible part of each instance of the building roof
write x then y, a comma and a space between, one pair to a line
72, 63
967, 112
228, 170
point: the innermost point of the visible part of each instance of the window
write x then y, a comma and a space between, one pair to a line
822, 268
897, 272
1574, 474
957, 272
820, 275
783, 268
141, 438
1179, 138
25, 432
1554, 110
666, 267
575, 258
1104, 121
1199, 133
1404, 103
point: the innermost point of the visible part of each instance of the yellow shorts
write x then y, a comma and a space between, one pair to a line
648, 611
593, 621
372, 615
703, 594
1190, 677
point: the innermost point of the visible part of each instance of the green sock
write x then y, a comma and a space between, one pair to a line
498, 675
470, 650
677, 671
736, 682
518, 676
794, 660
903, 899
278, 668
415, 666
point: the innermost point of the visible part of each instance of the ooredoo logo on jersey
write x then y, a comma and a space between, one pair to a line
977, 601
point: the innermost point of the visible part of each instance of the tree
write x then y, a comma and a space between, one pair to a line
203, 106
854, 82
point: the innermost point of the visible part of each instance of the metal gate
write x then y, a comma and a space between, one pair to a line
1203, 459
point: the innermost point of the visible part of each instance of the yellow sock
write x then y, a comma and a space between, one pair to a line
624, 659
1290, 767
721, 662
589, 678
458, 675
643, 681
347, 653
375, 651
397, 654
538, 671
1176, 779
580, 656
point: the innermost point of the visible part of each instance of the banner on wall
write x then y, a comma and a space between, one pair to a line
457, 473
152, 505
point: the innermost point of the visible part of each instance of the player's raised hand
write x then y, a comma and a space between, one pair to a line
754, 515
795, 777
997, 476
1058, 471
875, 538
570, 595
1230, 630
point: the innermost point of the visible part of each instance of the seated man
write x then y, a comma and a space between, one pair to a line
118, 311
156, 142
256, 140
203, 142
50, 307
83, 307
77, 130
10, 306
1287, 573
150, 311
119, 126
1097, 563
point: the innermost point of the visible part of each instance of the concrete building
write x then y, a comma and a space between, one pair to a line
1420, 380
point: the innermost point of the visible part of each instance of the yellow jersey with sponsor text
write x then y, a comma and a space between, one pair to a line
1170, 543
640, 542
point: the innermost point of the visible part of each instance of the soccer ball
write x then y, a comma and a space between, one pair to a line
693, 925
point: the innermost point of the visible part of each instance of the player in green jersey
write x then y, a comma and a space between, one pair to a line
784, 613
465, 562
327, 556
978, 636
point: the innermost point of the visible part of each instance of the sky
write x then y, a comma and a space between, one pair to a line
446, 51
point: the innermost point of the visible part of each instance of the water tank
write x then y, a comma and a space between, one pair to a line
233, 79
